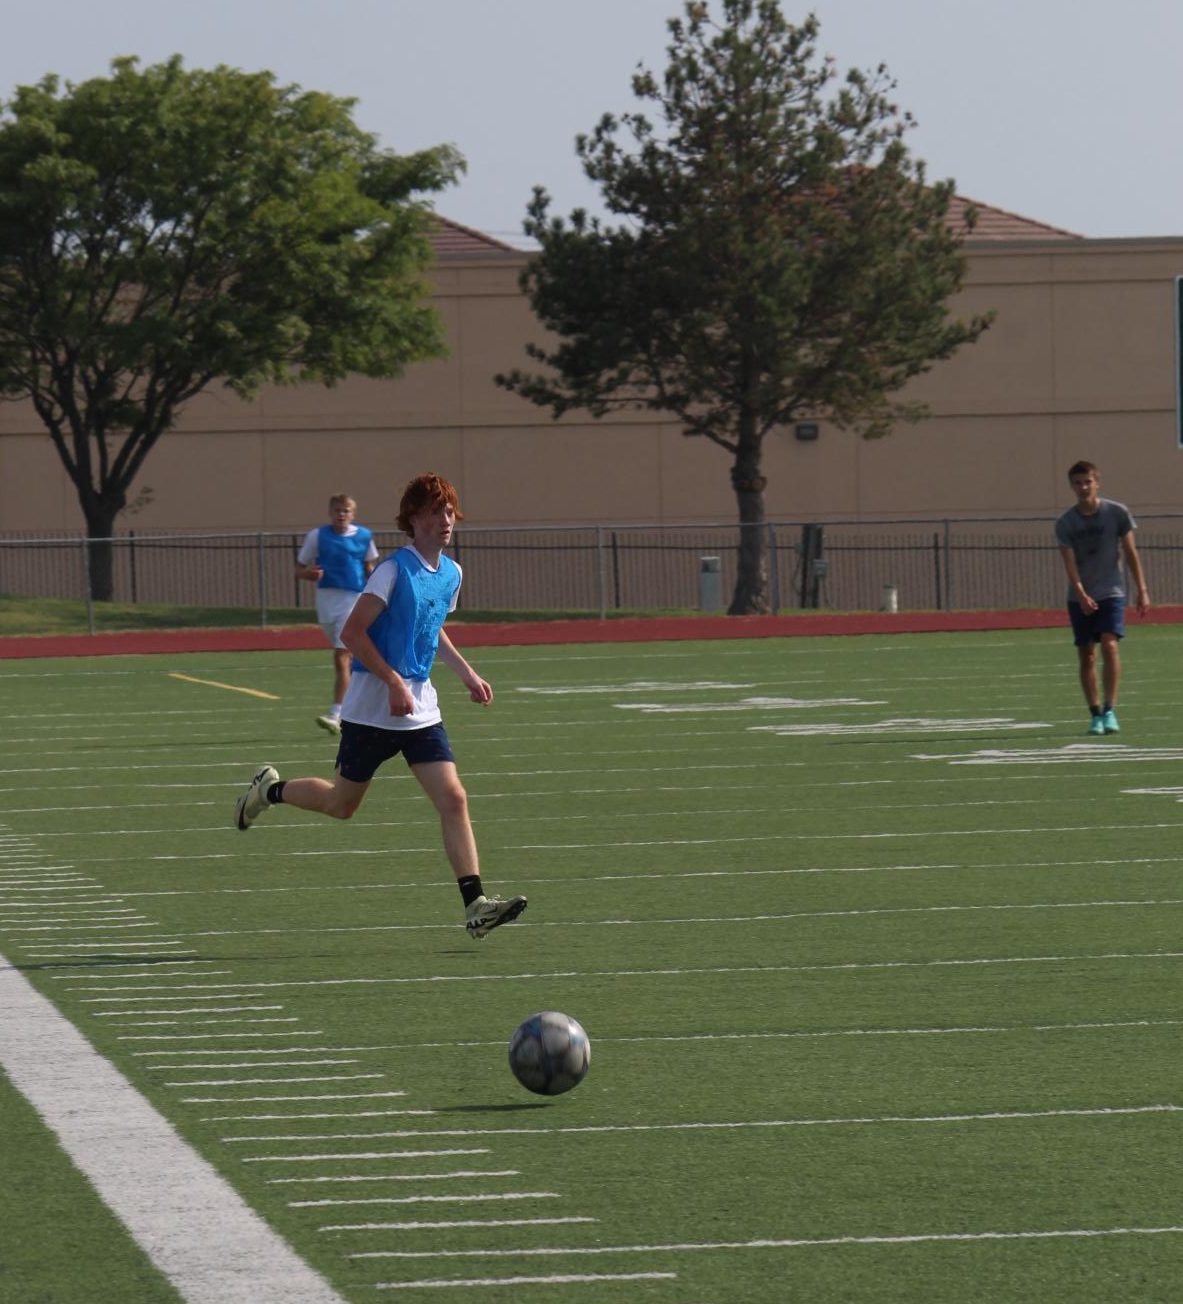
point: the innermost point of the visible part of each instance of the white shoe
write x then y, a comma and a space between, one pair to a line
254, 801
331, 723
487, 913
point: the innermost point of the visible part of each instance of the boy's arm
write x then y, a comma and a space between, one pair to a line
478, 688
1134, 564
355, 634
1087, 604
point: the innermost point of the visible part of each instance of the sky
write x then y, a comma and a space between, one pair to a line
1066, 111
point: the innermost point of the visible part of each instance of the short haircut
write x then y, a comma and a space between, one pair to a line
342, 500
1081, 468
427, 492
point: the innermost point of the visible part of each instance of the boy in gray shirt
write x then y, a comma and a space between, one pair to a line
1094, 537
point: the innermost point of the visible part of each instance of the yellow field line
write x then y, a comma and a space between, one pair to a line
233, 688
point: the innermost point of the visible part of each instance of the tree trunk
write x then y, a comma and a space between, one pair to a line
751, 579
100, 529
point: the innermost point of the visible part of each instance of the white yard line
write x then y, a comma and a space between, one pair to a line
198, 1231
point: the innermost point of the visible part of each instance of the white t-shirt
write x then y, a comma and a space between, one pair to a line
367, 699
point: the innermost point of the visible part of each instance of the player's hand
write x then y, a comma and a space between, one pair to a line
1087, 605
480, 691
402, 703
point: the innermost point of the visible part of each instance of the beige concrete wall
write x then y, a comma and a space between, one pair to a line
1079, 363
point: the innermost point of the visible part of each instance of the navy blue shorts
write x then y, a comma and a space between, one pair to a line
363, 748
1109, 618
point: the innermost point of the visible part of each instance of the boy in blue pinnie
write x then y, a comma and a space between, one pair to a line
337, 558
395, 631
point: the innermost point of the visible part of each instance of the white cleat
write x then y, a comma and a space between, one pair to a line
254, 801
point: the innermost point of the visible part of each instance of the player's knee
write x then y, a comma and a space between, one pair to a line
453, 802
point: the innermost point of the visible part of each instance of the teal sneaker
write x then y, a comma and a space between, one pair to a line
1109, 723
1097, 724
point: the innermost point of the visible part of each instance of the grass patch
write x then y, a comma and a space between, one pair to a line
880, 971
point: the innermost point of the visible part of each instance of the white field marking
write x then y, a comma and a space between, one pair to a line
871, 1120
144, 971
639, 876
769, 1244
928, 834
553, 1279
1069, 754
427, 1199
286, 1078
271, 1137
233, 688
213, 1036
636, 686
176, 1023
73, 926
911, 725
109, 806
250, 1064
196, 1009
244, 1100
956, 1030
745, 704
690, 970
176, 1052
661, 922
222, 995
199, 1233
451, 1223
173, 939
348, 1113
462, 1173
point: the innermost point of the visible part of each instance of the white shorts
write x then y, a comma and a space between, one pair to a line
332, 611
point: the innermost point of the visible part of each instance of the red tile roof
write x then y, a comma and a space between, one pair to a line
455, 240
997, 224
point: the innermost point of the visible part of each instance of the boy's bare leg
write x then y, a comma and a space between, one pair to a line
1088, 673
1110, 667
440, 780
339, 799
342, 662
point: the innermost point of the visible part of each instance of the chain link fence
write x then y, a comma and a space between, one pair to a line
943, 564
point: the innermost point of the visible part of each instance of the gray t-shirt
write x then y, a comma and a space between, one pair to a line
1096, 544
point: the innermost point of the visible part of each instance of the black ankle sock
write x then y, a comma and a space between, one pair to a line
470, 888
1107, 707
275, 793
1096, 710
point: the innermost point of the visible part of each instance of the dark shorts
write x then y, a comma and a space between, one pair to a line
1109, 618
363, 748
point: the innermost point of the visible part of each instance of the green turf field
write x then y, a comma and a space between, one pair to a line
879, 956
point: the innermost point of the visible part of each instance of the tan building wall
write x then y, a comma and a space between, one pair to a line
1080, 363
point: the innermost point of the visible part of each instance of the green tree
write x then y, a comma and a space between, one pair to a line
163, 229
781, 255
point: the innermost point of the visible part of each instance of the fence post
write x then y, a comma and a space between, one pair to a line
936, 566
131, 560
773, 569
948, 568
601, 577
262, 583
86, 585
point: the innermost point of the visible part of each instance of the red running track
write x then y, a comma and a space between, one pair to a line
510, 634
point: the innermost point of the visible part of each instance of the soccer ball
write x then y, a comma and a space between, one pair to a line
549, 1053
